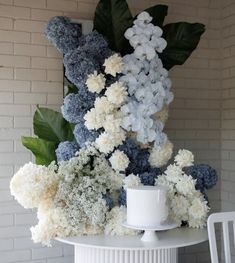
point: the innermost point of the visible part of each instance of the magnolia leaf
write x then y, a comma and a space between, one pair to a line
182, 38
112, 19
71, 89
44, 151
51, 126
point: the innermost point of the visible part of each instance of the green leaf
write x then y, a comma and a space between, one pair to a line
158, 13
71, 89
44, 151
112, 19
51, 126
182, 38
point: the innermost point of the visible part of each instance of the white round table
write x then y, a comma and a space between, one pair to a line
130, 249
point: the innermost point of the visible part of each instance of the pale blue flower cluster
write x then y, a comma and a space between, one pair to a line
66, 150
63, 34
147, 81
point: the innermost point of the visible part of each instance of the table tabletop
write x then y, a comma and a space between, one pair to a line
175, 238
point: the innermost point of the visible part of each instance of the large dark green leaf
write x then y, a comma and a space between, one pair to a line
51, 126
112, 18
182, 38
44, 151
158, 13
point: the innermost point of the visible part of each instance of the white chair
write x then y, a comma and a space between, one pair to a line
224, 219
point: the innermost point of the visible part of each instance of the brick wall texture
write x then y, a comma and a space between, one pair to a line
202, 116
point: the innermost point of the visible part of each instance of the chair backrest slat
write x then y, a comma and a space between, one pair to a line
223, 218
212, 241
227, 251
233, 232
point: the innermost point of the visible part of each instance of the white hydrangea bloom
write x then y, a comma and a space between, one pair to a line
113, 122
34, 183
116, 93
184, 158
162, 180
186, 185
52, 223
95, 82
113, 65
119, 160
161, 155
198, 208
103, 105
107, 141
115, 218
186, 203
173, 173
94, 120
131, 181
179, 207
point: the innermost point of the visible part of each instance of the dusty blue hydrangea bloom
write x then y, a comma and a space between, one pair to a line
85, 93
206, 176
66, 150
83, 135
97, 45
148, 178
75, 107
79, 63
63, 34
109, 201
122, 198
88, 57
138, 157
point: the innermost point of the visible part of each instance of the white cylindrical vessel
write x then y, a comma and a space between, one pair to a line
147, 205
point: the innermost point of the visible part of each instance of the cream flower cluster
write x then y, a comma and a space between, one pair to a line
95, 82
70, 197
131, 181
113, 65
119, 161
114, 223
184, 158
159, 156
106, 114
34, 183
186, 203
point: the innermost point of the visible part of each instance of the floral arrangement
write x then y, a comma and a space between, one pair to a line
110, 134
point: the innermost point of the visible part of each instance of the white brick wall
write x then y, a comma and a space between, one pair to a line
228, 113
31, 73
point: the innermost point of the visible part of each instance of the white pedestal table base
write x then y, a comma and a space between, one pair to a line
102, 255
130, 249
